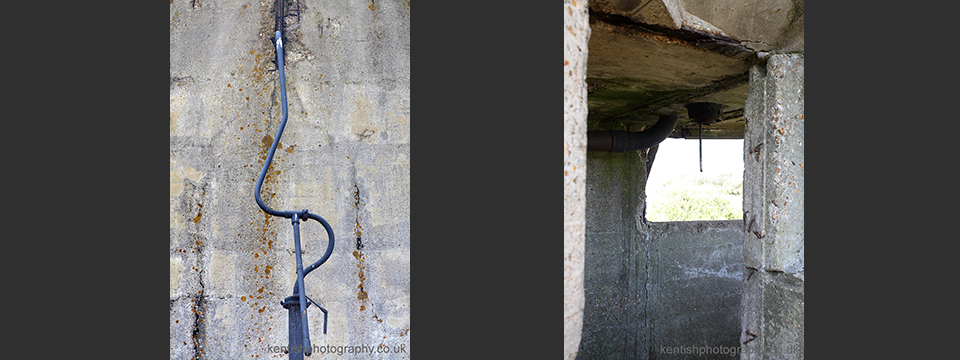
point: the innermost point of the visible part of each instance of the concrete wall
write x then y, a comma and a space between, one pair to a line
653, 288
615, 264
696, 271
344, 155
772, 318
576, 33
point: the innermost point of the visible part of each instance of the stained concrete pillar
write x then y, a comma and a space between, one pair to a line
576, 33
772, 304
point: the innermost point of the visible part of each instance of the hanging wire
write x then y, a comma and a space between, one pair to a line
700, 136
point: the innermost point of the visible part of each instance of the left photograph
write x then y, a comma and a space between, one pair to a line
289, 179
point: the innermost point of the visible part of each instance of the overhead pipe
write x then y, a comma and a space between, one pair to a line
623, 141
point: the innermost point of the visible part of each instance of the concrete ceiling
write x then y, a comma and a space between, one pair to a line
651, 57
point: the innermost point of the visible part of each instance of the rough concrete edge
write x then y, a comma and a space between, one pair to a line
783, 244
753, 153
696, 225
751, 314
694, 22
783, 326
764, 87
576, 38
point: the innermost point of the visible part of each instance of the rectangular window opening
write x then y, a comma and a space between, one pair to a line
677, 191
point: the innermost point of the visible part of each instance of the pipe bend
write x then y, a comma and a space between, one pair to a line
623, 141
330, 243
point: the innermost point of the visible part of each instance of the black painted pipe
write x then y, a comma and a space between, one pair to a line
622, 141
296, 305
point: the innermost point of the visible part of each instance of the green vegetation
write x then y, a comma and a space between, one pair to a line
696, 197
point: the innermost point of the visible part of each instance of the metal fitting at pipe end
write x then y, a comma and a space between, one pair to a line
705, 112
292, 301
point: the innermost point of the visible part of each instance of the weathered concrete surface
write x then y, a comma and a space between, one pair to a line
344, 155
636, 75
772, 316
649, 58
576, 33
656, 285
695, 276
762, 25
773, 164
772, 321
667, 13
615, 264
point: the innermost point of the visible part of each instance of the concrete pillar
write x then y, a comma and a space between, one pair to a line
772, 305
576, 33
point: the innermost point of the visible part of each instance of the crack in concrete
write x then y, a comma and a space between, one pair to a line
199, 328
700, 39
199, 307
362, 295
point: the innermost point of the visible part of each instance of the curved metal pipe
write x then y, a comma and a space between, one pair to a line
296, 305
276, 139
622, 141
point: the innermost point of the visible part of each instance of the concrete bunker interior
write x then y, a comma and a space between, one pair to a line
658, 290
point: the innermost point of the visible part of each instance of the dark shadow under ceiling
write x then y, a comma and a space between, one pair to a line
637, 72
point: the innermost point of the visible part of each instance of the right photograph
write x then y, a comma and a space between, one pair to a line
683, 179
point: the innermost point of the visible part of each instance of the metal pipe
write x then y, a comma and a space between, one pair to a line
326, 255
622, 141
303, 299
296, 305
276, 139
